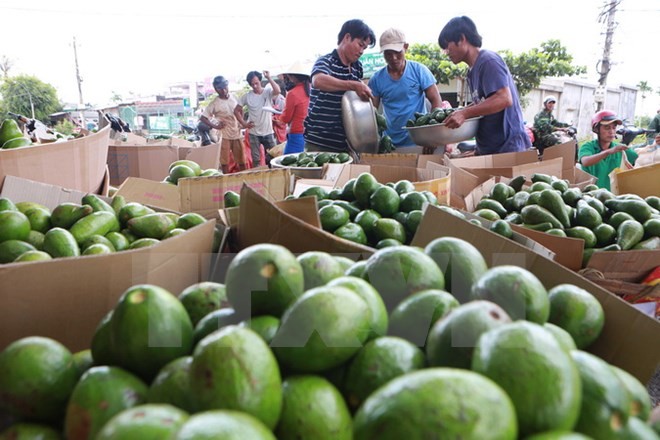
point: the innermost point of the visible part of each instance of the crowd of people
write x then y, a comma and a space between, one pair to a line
306, 113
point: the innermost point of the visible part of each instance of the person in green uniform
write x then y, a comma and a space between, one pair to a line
599, 157
546, 125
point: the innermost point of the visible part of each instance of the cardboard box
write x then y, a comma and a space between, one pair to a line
629, 338
630, 266
411, 160
65, 298
292, 223
152, 161
78, 164
205, 195
126, 138
568, 251
643, 181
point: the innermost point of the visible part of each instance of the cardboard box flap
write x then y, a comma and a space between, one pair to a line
144, 161
66, 298
411, 160
127, 139
632, 265
77, 163
339, 174
552, 167
392, 159
581, 178
497, 160
301, 185
568, 251
263, 222
18, 189
206, 194
207, 157
566, 151
304, 208
462, 182
150, 192
629, 338
643, 181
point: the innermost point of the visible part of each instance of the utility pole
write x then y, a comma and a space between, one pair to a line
603, 67
79, 80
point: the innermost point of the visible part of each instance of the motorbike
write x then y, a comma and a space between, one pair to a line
629, 132
200, 132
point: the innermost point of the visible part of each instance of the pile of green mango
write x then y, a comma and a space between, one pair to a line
11, 135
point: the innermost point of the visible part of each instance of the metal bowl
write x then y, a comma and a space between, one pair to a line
360, 125
302, 172
439, 134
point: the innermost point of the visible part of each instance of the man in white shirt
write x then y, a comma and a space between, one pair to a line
260, 121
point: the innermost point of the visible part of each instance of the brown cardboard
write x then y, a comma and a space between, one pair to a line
152, 161
502, 160
631, 266
261, 221
303, 208
629, 338
581, 178
205, 195
568, 251
18, 189
411, 160
462, 183
65, 298
152, 193
643, 181
118, 138
566, 151
552, 167
78, 164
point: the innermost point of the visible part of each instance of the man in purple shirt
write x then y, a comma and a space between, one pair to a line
494, 94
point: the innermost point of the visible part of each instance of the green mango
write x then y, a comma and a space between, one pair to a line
9, 130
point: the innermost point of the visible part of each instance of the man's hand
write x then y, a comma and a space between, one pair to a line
267, 74
617, 148
455, 120
362, 90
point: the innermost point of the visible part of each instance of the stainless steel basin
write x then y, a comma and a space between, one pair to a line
439, 134
359, 119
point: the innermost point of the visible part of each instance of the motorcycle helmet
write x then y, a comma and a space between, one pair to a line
604, 117
549, 98
220, 82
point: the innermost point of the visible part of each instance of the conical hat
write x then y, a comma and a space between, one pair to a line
297, 68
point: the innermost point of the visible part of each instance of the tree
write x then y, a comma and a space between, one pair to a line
5, 65
440, 65
116, 97
527, 69
21, 93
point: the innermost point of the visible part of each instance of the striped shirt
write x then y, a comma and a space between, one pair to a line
323, 125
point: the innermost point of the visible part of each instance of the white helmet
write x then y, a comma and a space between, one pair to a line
549, 98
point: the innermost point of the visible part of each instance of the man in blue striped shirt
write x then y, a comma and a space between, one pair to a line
332, 75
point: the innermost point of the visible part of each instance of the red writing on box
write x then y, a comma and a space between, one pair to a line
219, 193
150, 195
